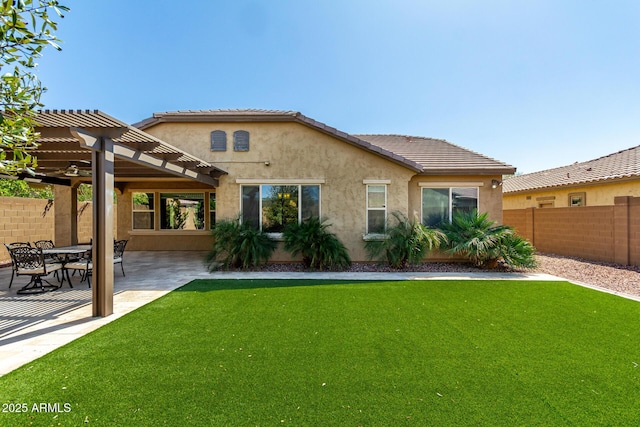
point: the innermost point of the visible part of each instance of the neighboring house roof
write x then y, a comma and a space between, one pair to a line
438, 156
623, 164
422, 155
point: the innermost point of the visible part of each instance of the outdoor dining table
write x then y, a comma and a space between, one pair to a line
64, 254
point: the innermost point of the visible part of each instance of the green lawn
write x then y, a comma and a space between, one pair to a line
226, 353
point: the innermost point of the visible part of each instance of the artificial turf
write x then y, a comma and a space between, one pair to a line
258, 352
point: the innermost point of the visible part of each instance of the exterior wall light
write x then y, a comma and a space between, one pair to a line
495, 183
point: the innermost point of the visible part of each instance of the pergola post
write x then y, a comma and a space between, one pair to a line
102, 181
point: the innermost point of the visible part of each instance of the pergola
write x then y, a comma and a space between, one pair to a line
90, 146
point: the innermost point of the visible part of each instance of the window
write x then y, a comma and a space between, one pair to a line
218, 140
212, 209
578, 199
143, 211
440, 204
241, 140
376, 208
182, 211
272, 207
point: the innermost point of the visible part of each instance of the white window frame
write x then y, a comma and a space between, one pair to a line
369, 184
152, 211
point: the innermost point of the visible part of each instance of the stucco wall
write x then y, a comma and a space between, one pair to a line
292, 153
596, 194
296, 152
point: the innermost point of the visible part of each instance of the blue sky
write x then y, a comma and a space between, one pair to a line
536, 84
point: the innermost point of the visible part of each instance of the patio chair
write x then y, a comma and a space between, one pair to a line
48, 244
118, 253
30, 262
84, 265
10, 246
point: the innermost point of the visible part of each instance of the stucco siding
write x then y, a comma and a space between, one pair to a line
596, 195
297, 153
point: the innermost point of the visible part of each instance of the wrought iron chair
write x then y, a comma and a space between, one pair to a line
30, 262
118, 253
14, 269
84, 265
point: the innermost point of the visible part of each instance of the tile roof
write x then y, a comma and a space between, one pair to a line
438, 156
623, 164
423, 155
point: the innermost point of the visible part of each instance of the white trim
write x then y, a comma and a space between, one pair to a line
455, 184
259, 181
376, 181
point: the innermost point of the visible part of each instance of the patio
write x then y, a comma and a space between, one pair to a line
33, 325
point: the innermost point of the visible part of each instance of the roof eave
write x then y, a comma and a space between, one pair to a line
507, 170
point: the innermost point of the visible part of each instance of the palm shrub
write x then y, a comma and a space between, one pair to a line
518, 252
238, 245
485, 243
320, 249
405, 242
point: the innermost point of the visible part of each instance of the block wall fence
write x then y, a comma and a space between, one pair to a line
28, 220
597, 233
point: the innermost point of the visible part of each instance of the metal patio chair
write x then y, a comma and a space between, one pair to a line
9, 247
30, 262
84, 265
118, 253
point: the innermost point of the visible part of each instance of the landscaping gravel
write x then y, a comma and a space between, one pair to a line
617, 278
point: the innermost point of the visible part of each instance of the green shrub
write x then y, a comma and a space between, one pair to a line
485, 243
518, 252
405, 242
238, 245
320, 249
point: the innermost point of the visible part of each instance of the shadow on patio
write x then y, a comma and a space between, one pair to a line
54, 318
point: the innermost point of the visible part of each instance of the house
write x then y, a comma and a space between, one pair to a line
281, 166
592, 183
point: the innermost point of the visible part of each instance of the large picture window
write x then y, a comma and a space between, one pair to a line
440, 204
273, 207
182, 211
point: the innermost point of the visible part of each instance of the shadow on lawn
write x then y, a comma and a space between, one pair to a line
208, 285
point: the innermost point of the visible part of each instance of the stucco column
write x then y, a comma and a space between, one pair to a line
103, 228
66, 215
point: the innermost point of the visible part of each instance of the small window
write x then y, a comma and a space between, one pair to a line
212, 209
241, 140
578, 199
218, 140
376, 208
182, 211
143, 211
